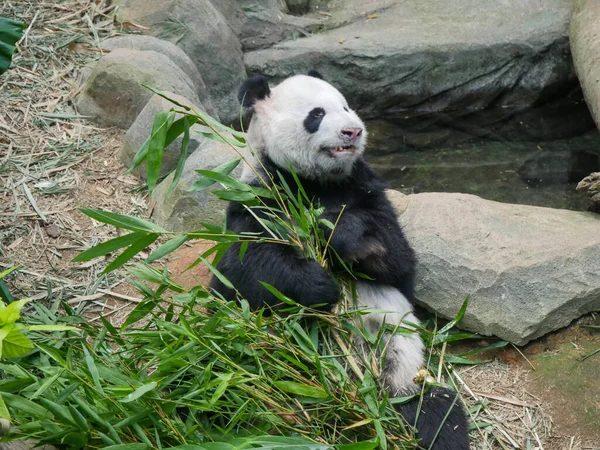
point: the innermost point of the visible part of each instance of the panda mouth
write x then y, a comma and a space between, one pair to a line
340, 150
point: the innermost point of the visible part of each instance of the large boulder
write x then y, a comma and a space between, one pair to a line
202, 32
526, 270
585, 46
437, 55
141, 129
182, 210
114, 94
174, 53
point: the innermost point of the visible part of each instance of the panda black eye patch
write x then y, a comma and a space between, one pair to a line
313, 120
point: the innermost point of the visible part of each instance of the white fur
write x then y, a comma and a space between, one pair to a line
277, 128
403, 354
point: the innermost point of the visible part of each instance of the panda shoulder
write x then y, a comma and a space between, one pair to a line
364, 175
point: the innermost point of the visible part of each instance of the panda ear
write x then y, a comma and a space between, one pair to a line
252, 90
313, 73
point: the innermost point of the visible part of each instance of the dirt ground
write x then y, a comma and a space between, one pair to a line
53, 162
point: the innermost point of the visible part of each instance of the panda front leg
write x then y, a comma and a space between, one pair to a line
439, 418
281, 266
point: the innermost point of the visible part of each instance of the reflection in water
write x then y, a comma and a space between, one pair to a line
533, 157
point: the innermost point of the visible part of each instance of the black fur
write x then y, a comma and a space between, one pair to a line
313, 120
313, 73
436, 403
253, 89
367, 234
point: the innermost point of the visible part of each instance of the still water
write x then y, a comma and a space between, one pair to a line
533, 157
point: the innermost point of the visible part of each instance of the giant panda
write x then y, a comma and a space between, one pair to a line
305, 123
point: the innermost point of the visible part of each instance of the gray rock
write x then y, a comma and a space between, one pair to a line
205, 36
174, 53
526, 270
114, 94
266, 23
141, 129
184, 211
585, 46
436, 55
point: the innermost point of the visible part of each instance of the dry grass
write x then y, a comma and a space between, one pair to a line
52, 162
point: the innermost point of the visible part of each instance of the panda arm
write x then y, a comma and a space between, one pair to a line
281, 266
395, 265
368, 233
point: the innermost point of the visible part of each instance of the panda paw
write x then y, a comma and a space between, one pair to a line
319, 286
370, 254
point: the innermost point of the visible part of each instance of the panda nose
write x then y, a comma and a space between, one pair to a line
351, 133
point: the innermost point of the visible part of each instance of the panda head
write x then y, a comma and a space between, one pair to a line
306, 123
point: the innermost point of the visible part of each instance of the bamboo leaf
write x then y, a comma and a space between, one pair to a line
168, 247
123, 221
131, 251
301, 389
185, 145
139, 392
224, 169
108, 247
156, 147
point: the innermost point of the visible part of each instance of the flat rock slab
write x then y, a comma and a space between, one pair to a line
526, 270
436, 55
585, 46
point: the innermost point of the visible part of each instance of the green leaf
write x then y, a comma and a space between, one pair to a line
278, 295
457, 319
50, 328
123, 221
127, 447
301, 389
168, 247
13, 343
139, 392
363, 445
589, 355
131, 251
200, 115
53, 353
185, 145
226, 180
224, 169
9, 270
24, 406
10, 32
59, 411
222, 139
217, 274
4, 414
93, 369
156, 147
108, 247
11, 313
221, 388
231, 195
492, 346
